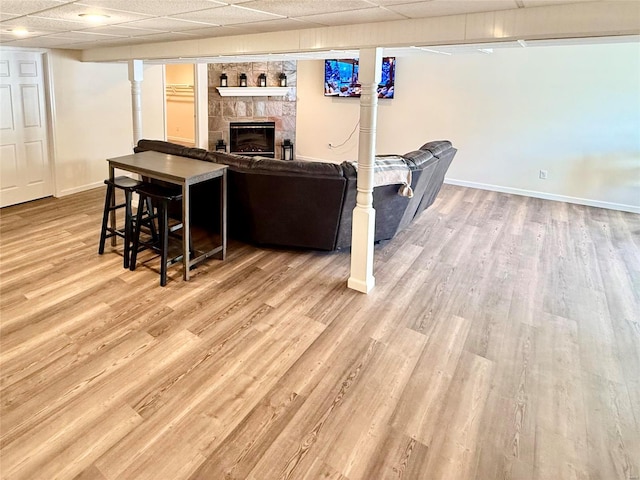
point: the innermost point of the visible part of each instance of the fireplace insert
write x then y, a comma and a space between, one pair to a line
252, 138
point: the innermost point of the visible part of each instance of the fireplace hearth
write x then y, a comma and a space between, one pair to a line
252, 138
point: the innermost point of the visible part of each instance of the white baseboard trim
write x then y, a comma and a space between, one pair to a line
545, 196
81, 188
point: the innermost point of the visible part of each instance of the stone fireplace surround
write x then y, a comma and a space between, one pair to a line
224, 110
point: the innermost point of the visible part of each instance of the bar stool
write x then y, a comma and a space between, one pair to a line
128, 185
160, 197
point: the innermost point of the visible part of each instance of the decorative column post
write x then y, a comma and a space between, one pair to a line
364, 216
135, 77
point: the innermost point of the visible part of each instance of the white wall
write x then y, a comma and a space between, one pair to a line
92, 117
571, 110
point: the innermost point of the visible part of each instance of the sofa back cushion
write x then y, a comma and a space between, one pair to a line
437, 147
304, 168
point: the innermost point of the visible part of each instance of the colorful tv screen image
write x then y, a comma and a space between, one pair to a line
341, 78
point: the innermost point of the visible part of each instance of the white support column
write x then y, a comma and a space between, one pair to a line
364, 216
202, 105
135, 77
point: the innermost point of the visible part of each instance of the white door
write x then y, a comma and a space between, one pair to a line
25, 172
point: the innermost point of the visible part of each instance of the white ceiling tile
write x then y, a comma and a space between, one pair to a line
7, 16
369, 15
72, 12
157, 8
124, 31
544, 3
213, 31
166, 24
439, 8
71, 45
270, 26
297, 8
228, 15
386, 3
282, 24
81, 36
25, 7
163, 37
38, 23
42, 42
5, 30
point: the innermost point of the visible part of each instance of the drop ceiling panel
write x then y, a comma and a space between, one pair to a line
72, 12
438, 8
163, 37
356, 16
22, 7
35, 24
156, 8
268, 26
6, 36
80, 36
297, 8
42, 42
213, 31
544, 3
167, 24
7, 16
229, 15
386, 3
124, 31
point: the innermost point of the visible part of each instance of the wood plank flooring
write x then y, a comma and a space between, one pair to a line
502, 341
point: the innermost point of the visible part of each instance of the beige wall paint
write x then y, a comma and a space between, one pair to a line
180, 103
571, 110
92, 117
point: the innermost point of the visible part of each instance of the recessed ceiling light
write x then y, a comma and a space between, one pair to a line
94, 17
19, 32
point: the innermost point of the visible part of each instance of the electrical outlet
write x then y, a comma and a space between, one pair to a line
543, 175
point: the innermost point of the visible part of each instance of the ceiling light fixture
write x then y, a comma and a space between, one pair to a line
19, 32
94, 17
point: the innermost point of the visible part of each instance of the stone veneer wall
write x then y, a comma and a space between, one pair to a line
224, 110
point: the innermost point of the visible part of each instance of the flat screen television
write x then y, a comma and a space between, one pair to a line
341, 78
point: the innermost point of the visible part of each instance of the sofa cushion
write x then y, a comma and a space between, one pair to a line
418, 159
161, 146
235, 162
313, 169
437, 147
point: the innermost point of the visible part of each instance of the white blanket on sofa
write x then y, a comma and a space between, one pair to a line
391, 170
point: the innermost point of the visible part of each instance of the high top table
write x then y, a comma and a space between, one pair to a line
184, 172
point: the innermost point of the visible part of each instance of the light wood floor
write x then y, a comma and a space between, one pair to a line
502, 341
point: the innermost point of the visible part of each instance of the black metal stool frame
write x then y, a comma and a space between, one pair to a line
127, 185
161, 197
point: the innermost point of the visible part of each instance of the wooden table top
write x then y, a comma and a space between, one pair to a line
173, 168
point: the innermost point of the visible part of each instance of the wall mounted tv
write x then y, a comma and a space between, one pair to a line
341, 78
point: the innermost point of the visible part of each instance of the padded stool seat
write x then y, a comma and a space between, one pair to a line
128, 185
160, 197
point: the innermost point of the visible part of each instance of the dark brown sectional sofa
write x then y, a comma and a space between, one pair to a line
308, 204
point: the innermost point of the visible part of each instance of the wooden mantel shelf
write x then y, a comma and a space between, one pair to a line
253, 91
